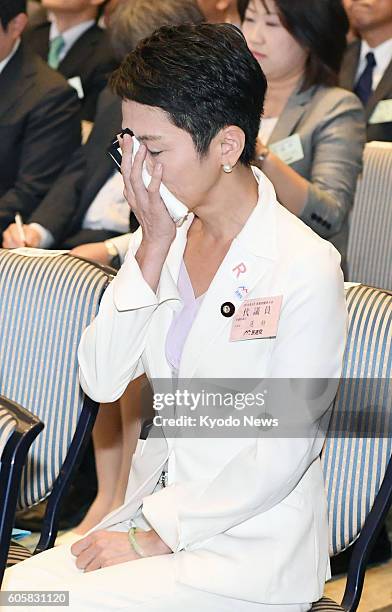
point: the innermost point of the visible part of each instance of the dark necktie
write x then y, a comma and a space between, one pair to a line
363, 88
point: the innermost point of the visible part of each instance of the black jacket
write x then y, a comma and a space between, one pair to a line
90, 58
380, 131
63, 210
39, 131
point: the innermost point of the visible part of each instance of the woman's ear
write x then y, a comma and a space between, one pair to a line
232, 139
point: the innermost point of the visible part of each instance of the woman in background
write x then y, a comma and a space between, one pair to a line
312, 133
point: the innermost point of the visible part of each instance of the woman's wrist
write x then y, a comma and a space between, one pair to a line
262, 154
134, 544
153, 251
150, 259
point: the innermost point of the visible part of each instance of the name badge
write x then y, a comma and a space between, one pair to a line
382, 113
257, 318
289, 150
76, 83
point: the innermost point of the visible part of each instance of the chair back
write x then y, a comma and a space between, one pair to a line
45, 304
18, 430
358, 446
369, 255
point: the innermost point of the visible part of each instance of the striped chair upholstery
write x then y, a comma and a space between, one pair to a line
370, 238
46, 303
18, 430
17, 553
358, 445
326, 605
7, 427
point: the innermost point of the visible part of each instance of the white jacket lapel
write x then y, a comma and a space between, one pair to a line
249, 258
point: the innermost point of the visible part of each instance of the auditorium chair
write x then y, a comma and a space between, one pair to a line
356, 457
18, 430
369, 255
45, 304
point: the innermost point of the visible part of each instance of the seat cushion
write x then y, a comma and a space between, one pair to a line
17, 553
326, 605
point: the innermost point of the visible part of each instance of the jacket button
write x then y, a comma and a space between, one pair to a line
227, 309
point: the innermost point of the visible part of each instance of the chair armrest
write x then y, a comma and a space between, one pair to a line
18, 430
365, 542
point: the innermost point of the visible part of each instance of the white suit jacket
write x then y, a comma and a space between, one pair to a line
246, 517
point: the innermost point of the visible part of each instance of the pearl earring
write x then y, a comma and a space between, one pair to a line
227, 168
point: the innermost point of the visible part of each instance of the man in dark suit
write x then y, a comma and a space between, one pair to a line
76, 46
367, 67
86, 204
58, 221
39, 120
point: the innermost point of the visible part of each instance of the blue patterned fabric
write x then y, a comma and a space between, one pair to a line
369, 254
326, 605
45, 304
7, 427
354, 464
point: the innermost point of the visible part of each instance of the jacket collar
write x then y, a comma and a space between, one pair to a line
382, 92
292, 114
350, 65
254, 249
252, 239
17, 78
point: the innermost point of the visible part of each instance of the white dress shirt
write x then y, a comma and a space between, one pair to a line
70, 36
383, 57
267, 126
109, 210
5, 61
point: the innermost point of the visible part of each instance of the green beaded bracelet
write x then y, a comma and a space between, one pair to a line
132, 540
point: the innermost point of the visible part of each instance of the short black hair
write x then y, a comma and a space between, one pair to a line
10, 9
203, 76
321, 27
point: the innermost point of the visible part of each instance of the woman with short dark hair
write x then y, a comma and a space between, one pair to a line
226, 302
299, 44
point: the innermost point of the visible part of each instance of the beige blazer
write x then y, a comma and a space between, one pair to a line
246, 517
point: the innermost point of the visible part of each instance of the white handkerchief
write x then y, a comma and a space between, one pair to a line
176, 209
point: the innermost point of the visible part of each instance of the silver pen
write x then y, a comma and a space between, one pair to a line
19, 226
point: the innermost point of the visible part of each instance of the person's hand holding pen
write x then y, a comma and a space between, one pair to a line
19, 235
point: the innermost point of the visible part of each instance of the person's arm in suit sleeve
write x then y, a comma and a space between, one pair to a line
52, 133
323, 199
111, 347
337, 161
309, 345
56, 211
97, 82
